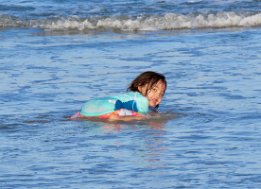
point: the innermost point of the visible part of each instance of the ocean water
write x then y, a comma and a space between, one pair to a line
56, 54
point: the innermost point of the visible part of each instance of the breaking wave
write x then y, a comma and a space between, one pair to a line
168, 21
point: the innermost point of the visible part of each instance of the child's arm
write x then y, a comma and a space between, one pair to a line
125, 115
118, 115
125, 118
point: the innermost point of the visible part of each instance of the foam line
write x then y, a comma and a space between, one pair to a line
169, 21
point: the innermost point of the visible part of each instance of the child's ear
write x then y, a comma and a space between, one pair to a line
140, 88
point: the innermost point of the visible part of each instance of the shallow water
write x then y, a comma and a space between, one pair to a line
209, 132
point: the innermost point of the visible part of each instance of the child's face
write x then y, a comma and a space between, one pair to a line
155, 94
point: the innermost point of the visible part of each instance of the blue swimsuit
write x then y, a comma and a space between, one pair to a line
133, 101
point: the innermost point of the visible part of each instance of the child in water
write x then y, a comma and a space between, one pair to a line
145, 92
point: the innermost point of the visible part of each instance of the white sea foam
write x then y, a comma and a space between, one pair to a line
169, 21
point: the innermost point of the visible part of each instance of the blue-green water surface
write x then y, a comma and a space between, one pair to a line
208, 134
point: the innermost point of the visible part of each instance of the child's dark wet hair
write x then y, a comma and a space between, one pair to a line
149, 77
